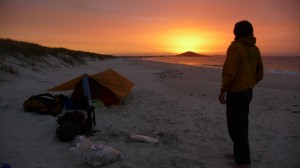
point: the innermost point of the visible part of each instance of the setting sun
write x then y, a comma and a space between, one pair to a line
179, 41
182, 44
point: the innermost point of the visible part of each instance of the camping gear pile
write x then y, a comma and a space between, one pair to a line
107, 86
79, 119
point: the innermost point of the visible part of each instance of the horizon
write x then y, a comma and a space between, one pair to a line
132, 27
146, 54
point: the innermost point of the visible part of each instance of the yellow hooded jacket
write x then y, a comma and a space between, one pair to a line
243, 67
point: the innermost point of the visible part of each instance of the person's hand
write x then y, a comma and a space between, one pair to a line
222, 97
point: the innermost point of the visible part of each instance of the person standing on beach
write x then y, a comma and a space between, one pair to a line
243, 68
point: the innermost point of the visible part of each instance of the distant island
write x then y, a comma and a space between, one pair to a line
191, 54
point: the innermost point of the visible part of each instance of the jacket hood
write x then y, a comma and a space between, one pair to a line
249, 40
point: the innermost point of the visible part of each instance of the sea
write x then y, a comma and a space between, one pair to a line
282, 65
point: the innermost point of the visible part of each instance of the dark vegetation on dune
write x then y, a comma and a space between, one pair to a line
15, 54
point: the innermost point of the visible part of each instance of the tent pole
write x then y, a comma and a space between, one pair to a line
86, 89
88, 95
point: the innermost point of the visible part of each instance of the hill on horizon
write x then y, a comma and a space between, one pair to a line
191, 54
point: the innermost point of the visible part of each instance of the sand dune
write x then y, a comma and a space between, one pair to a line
175, 103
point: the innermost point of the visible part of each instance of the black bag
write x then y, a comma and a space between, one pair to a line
73, 124
68, 130
76, 116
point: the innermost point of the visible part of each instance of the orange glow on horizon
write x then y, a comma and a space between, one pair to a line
192, 39
150, 27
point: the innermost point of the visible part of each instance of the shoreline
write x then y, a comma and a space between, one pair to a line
176, 103
217, 62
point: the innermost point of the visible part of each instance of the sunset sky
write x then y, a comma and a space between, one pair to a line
147, 27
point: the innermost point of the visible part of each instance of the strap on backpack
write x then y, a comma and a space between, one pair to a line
91, 119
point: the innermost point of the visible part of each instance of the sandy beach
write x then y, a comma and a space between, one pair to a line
175, 103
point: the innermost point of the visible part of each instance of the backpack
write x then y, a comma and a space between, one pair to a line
75, 123
45, 104
68, 130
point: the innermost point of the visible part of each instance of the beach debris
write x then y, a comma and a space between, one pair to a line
95, 155
144, 138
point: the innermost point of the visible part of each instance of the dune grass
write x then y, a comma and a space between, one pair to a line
31, 55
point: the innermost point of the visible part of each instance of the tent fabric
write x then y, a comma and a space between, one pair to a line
67, 85
109, 78
105, 86
117, 83
98, 92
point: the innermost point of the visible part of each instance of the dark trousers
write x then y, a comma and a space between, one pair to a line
237, 111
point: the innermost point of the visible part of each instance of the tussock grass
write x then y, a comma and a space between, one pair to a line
9, 69
30, 55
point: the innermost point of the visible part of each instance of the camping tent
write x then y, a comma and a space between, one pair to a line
105, 86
